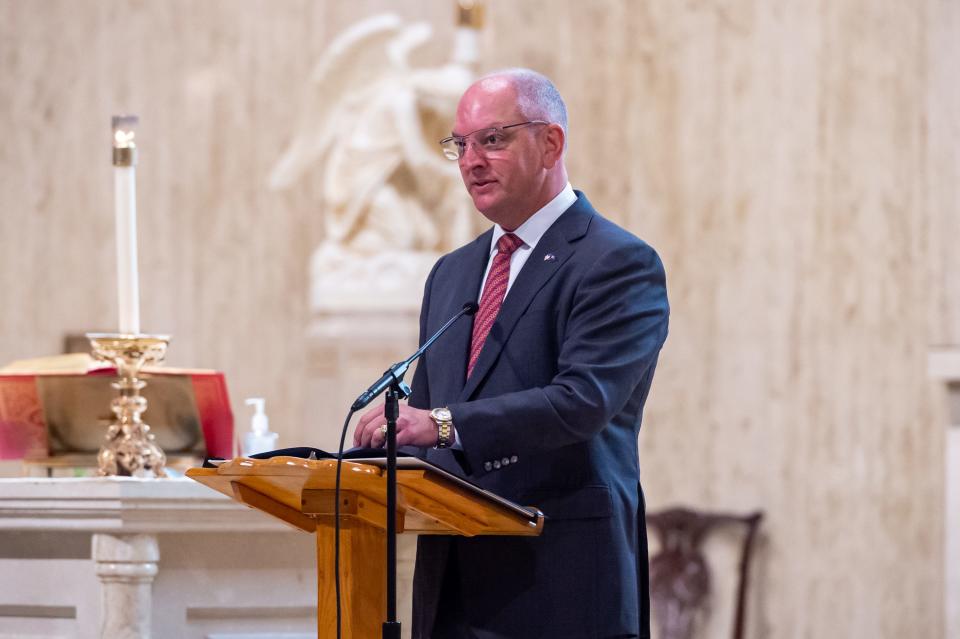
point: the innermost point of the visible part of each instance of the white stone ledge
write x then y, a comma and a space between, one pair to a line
943, 363
124, 504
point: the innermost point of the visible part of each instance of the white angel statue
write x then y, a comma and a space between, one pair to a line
391, 202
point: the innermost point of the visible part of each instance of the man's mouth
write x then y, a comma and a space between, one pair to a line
482, 183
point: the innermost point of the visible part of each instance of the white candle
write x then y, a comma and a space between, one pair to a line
125, 206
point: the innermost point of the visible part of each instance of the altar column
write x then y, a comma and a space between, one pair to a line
126, 566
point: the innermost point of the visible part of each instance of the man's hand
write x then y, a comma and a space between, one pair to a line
414, 428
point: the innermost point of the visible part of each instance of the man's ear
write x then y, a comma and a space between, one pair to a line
553, 150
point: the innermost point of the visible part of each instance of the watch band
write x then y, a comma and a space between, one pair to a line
444, 421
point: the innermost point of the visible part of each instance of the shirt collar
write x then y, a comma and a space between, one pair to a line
537, 224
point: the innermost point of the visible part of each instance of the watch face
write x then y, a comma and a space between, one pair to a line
443, 414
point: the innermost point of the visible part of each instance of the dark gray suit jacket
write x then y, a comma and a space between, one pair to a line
549, 418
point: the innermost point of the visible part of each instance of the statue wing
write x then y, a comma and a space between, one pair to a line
358, 58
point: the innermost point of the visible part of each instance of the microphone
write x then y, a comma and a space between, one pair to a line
398, 370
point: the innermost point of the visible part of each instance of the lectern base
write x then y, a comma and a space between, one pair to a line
363, 557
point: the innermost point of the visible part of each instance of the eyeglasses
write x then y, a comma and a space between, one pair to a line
486, 140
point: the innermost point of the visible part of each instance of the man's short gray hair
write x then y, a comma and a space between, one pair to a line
537, 97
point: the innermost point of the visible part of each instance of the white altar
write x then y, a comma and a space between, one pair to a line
132, 558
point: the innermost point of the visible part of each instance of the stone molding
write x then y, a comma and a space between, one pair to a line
124, 504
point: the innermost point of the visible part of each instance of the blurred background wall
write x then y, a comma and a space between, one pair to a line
795, 163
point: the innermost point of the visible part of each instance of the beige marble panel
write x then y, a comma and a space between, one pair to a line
943, 166
795, 163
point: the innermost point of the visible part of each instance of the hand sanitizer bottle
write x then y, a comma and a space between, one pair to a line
259, 439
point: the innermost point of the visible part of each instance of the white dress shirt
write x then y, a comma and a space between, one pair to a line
530, 232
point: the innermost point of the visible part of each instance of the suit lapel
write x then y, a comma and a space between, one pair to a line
557, 242
467, 290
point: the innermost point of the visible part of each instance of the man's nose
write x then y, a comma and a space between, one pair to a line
472, 155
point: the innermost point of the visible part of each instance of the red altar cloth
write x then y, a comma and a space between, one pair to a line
24, 431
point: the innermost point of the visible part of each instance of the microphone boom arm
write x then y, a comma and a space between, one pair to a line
396, 372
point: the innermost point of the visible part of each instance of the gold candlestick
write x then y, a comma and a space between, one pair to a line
130, 448
470, 13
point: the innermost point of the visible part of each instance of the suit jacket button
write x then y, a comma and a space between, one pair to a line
505, 461
513, 460
496, 464
487, 466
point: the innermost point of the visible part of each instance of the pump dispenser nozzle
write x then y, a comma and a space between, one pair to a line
259, 439
260, 424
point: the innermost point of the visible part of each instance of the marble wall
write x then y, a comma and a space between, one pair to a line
795, 163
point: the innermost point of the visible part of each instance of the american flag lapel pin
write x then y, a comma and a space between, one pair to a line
549, 257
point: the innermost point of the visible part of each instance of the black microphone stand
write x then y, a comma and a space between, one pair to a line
397, 391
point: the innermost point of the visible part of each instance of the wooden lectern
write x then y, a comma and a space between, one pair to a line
301, 493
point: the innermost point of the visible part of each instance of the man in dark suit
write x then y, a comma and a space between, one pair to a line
540, 398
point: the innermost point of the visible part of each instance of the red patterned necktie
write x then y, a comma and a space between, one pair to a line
493, 293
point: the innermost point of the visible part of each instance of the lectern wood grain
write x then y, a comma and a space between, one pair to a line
300, 492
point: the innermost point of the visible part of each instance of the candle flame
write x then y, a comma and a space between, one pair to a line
124, 139
124, 131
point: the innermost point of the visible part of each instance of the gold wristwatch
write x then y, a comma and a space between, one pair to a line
444, 421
